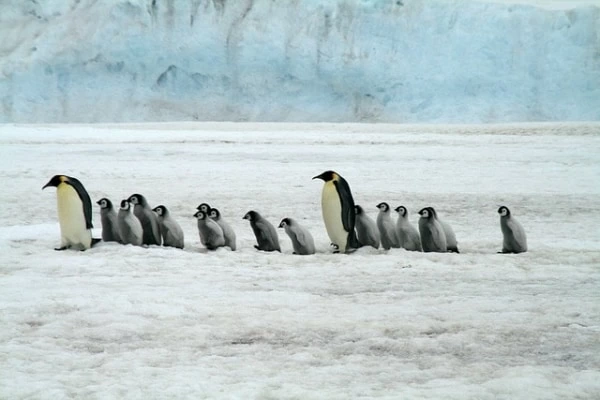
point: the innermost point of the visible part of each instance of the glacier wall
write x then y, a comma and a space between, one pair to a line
400, 61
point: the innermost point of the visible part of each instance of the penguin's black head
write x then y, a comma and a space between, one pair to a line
425, 212
200, 215
284, 222
125, 205
105, 204
327, 176
385, 207
160, 210
56, 180
136, 199
251, 216
214, 213
401, 210
504, 211
358, 210
203, 207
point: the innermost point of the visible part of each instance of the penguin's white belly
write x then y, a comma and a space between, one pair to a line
332, 216
72, 218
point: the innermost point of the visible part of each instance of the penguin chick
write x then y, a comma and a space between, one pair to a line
386, 227
514, 238
130, 227
337, 206
366, 229
171, 232
451, 244
433, 237
74, 213
408, 236
211, 234
266, 235
302, 241
204, 207
110, 226
148, 219
228, 232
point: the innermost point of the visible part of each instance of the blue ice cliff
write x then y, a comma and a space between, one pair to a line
399, 61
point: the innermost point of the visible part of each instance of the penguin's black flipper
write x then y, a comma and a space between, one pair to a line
347, 203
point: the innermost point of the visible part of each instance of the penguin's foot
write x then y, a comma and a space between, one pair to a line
95, 241
256, 247
62, 248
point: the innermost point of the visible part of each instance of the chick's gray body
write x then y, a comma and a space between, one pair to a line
211, 234
130, 227
408, 235
302, 241
366, 229
228, 232
451, 243
266, 235
514, 238
386, 227
171, 232
433, 237
148, 219
110, 224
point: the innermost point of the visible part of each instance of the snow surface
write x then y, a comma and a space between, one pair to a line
158, 323
332, 60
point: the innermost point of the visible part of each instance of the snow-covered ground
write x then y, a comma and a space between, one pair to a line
157, 323
402, 61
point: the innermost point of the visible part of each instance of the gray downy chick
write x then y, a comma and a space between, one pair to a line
302, 241
211, 234
514, 238
148, 219
110, 225
170, 230
386, 226
408, 235
433, 237
366, 229
266, 235
130, 227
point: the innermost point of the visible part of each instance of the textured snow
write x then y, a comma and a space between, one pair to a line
155, 323
333, 60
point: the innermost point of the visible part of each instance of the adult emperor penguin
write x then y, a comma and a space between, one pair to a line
339, 216
451, 244
433, 237
386, 227
228, 232
171, 232
130, 227
302, 241
407, 234
515, 240
266, 235
74, 213
211, 234
366, 229
148, 219
110, 226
